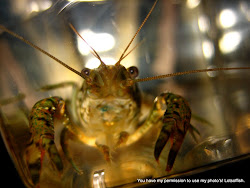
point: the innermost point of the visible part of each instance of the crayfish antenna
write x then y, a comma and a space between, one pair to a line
39, 49
144, 21
133, 49
188, 72
93, 51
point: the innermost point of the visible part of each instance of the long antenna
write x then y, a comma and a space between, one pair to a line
41, 50
93, 50
144, 21
187, 72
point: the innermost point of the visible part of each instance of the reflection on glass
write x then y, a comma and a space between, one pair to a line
94, 62
203, 23
101, 42
230, 41
98, 179
227, 18
192, 3
208, 49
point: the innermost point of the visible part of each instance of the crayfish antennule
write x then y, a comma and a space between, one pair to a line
139, 29
102, 63
118, 62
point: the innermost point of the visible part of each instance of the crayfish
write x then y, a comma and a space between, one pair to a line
107, 112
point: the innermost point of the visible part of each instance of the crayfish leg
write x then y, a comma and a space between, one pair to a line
66, 135
105, 150
122, 138
50, 147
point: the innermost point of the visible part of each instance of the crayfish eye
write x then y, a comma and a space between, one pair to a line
85, 72
133, 71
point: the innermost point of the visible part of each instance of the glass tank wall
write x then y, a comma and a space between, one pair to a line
178, 36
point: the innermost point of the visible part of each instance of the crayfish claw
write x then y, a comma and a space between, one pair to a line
54, 156
178, 140
162, 139
175, 124
33, 161
35, 154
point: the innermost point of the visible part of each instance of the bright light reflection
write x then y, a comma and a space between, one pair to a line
39, 6
230, 41
192, 3
94, 62
203, 23
101, 42
227, 18
212, 73
34, 7
208, 49
98, 179
85, 0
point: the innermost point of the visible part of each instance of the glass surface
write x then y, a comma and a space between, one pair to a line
178, 36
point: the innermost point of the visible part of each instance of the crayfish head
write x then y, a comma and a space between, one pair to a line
110, 80
111, 99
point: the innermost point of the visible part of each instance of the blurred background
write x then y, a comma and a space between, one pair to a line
180, 35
